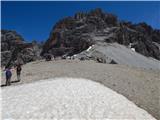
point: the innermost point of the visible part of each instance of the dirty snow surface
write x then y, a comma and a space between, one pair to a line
66, 98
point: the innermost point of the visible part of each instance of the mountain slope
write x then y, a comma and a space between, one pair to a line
139, 85
118, 54
75, 34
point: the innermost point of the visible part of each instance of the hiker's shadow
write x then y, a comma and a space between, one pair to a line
15, 81
3, 85
11, 82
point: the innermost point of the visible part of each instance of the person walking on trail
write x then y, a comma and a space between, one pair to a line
8, 76
18, 71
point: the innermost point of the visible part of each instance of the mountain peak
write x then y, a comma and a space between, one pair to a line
80, 31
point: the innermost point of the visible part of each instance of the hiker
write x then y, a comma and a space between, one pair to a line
8, 76
18, 71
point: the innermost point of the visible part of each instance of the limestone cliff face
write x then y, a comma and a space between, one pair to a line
77, 33
14, 48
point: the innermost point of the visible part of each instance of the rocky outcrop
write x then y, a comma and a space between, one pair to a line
14, 48
10, 39
75, 34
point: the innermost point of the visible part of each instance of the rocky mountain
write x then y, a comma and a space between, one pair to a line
72, 35
89, 35
15, 49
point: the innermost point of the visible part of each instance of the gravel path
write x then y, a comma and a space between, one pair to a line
67, 98
138, 85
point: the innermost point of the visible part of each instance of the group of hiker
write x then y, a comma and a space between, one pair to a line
8, 73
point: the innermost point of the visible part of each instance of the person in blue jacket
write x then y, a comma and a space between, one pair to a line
8, 76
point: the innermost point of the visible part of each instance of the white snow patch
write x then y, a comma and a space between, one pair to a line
74, 55
89, 48
68, 57
133, 49
67, 98
130, 45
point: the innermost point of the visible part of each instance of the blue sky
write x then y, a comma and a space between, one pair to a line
34, 20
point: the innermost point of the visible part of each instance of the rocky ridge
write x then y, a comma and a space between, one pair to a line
15, 49
73, 35
77, 37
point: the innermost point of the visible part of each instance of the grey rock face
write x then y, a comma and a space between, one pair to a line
114, 53
14, 48
5, 57
86, 29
